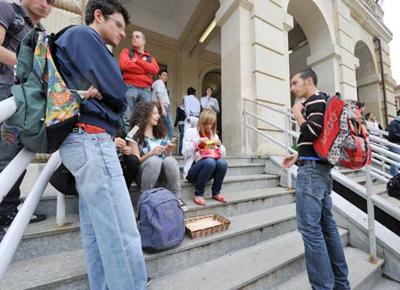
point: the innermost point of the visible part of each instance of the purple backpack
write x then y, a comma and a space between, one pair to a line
161, 220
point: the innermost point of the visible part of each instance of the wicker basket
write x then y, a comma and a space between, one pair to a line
201, 226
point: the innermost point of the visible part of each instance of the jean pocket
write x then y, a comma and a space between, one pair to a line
73, 153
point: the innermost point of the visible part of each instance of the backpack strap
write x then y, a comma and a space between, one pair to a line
132, 54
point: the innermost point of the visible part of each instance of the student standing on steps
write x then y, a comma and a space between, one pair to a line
138, 68
110, 238
15, 22
324, 256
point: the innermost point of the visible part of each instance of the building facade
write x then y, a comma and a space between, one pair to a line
250, 48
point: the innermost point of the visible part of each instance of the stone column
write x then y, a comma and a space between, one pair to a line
255, 65
326, 63
234, 18
347, 63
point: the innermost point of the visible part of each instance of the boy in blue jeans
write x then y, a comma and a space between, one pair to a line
110, 238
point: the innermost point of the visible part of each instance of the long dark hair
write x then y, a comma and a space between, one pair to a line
141, 116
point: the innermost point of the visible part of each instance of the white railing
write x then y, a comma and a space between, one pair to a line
8, 177
378, 170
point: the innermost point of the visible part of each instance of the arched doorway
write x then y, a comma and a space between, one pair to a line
310, 43
368, 88
213, 79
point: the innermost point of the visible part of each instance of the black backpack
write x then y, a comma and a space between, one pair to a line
393, 186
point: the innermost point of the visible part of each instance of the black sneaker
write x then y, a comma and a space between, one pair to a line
36, 217
7, 219
148, 282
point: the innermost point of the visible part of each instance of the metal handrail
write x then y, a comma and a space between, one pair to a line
366, 192
12, 238
8, 178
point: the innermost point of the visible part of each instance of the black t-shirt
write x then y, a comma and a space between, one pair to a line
21, 23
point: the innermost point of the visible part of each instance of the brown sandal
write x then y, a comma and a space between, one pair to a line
219, 197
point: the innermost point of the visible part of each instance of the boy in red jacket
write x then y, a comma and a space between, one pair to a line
138, 69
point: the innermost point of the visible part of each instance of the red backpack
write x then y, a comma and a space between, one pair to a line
344, 138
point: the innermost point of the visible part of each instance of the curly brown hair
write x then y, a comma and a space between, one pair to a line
141, 116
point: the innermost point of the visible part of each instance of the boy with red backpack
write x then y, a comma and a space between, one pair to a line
324, 256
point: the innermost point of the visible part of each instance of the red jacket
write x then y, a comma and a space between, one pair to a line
140, 73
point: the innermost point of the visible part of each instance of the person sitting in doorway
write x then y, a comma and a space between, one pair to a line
153, 149
202, 165
208, 101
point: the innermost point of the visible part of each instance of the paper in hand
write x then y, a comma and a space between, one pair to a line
131, 134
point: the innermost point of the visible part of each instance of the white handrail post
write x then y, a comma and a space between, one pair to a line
61, 210
7, 108
10, 242
288, 142
246, 130
371, 217
13, 171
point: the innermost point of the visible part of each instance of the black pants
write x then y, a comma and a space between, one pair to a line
130, 167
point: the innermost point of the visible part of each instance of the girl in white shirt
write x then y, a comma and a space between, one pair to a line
200, 170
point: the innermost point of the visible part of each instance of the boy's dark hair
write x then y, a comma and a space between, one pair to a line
367, 115
309, 73
191, 91
161, 71
107, 7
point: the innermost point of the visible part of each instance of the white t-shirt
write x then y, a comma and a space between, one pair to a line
210, 102
159, 88
192, 106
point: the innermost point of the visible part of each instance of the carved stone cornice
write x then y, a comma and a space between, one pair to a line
370, 20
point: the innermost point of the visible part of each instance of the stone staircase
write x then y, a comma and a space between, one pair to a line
260, 250
379, 186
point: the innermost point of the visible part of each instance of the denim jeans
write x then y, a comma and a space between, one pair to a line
110, 238
324, 256
204, 170
169, 124
394, 170
181, 128
134, 95
7, 153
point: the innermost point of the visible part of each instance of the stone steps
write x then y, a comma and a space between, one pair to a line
235, 168
266, 263
362, 274
245, 231
48, 204
66, 238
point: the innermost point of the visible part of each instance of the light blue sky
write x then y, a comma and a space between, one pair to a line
392, 21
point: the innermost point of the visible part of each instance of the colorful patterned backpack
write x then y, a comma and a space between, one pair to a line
344, 138
46, 109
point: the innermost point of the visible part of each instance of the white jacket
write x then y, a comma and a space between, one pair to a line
190, 141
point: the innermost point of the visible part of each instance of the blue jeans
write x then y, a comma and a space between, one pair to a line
110, 238
169, 124
181, 128
394, 170
324, 256
204, 170
134, 95
7, 153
